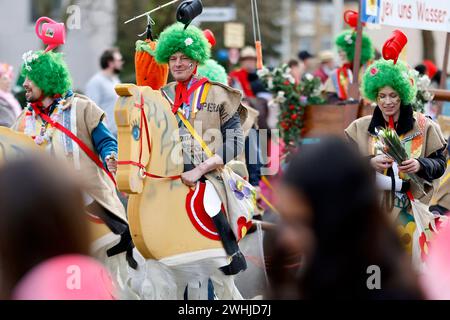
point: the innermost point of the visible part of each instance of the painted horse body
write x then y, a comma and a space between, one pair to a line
14, 145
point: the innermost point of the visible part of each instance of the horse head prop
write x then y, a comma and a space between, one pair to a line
167, 219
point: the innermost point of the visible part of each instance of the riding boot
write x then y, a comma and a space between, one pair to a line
230, 245
119, 227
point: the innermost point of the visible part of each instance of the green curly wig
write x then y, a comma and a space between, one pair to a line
175, 39
367, 50
49, 72
385, 73
212, 70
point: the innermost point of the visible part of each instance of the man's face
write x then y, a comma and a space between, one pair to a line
181, 67
343, 56
32, 92
249, 64
329, 64
117, 62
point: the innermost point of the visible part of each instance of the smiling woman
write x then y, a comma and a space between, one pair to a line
392, 87
389, 102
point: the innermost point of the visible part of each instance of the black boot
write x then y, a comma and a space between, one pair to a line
230, 245
125, 245
117, 226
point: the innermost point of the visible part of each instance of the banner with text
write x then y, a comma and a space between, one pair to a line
417, 14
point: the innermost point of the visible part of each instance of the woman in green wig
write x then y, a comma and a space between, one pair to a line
390, 84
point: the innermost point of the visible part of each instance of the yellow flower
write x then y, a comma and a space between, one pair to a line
406, 235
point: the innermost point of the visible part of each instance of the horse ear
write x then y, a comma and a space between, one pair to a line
124, 90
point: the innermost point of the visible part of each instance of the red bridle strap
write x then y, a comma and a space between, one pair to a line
144, 123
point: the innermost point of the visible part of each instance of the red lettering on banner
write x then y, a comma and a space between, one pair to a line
404, 11
432, 15
386, 10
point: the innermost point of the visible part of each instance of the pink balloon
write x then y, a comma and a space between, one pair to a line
67, 277
436, 279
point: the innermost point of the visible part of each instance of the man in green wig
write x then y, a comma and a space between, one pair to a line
70, 126
215, 111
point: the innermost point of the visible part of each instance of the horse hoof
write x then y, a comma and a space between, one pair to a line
236, 265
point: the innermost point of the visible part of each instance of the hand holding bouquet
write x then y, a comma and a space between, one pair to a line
389, 143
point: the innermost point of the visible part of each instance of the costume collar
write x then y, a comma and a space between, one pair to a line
183, 91
56, 100
405, 121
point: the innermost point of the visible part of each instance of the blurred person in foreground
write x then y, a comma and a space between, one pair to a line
9, 106
436, 281
331, 218
100, 88
44, 231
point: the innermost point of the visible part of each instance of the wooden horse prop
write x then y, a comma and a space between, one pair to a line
168, 221
14, 145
